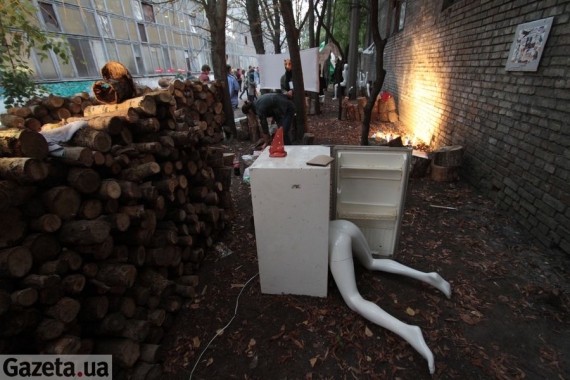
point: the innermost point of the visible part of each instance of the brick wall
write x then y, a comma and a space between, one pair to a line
446, 70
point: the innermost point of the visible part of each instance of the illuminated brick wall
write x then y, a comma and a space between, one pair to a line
446, 70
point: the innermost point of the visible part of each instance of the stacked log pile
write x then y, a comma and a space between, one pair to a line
99, 248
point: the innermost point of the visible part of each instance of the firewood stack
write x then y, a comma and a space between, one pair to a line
100, 248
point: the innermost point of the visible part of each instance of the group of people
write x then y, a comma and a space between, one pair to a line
277, 105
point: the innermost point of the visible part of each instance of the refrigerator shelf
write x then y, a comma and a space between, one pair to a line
361, 211
381, 173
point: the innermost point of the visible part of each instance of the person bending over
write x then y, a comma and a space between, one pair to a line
277, 106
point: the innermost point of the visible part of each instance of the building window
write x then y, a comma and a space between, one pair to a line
397, 16
148, 13
142, 33
83, 57
49, 17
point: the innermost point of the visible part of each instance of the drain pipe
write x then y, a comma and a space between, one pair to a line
345, 238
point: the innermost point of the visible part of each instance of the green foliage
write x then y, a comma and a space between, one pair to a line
19, 34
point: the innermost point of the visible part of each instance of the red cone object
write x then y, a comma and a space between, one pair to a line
277, 148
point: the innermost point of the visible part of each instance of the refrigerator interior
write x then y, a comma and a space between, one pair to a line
369, 189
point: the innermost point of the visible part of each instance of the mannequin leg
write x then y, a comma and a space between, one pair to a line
362, 251
342, 268
335, 88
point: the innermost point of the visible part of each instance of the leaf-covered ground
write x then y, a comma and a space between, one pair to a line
508, 317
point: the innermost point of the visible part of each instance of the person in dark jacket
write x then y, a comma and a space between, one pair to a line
277, 106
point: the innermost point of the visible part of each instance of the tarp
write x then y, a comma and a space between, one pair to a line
271, 69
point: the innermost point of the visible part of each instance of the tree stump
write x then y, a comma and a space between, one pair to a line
448, 156
420, 164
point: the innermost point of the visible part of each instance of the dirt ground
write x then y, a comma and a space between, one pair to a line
508, 316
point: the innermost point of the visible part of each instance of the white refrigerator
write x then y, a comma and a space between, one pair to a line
292, 208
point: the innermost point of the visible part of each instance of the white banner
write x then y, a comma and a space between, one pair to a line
27, 367
271, 69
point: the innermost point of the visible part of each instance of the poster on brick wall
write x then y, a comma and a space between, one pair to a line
528, 45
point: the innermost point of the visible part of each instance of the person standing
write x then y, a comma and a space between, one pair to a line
233, 87
251, 86
286, 81
239, 78
277, 106
205, 75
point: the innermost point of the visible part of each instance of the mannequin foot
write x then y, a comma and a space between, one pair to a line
438, 282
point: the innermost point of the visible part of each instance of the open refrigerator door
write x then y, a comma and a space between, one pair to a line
369, 190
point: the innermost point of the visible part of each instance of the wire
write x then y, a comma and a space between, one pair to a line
220, 331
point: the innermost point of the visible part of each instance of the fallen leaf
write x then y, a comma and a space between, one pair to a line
367, 332
368, 358
313, 361
220, 332
410, 311
210, 361
252, 343
237, 286
196, 342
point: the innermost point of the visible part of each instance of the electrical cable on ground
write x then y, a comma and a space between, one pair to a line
220, 331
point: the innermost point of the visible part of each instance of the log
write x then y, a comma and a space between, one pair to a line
25, 297
125, 352
111, 324
15, 262
39, 282
33, 124
141, 171
46, 223
22, 169
49, 329
89, 138
94, 308
62, 201
43, 247
117, 274
109, 189
73, 259
13, 194
152, 353
137, 255
52, 102
124, 305
23, 143
448, 156
156, 283
84, 232
73, 284
135, 330
99, 251
65, 310
77, 155
144, 104
155, 335
85, 181
58, 267
12, 121
50, 296
90, 209
67, 345
117, 221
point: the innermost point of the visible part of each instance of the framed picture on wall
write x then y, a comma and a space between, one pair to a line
528, 45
